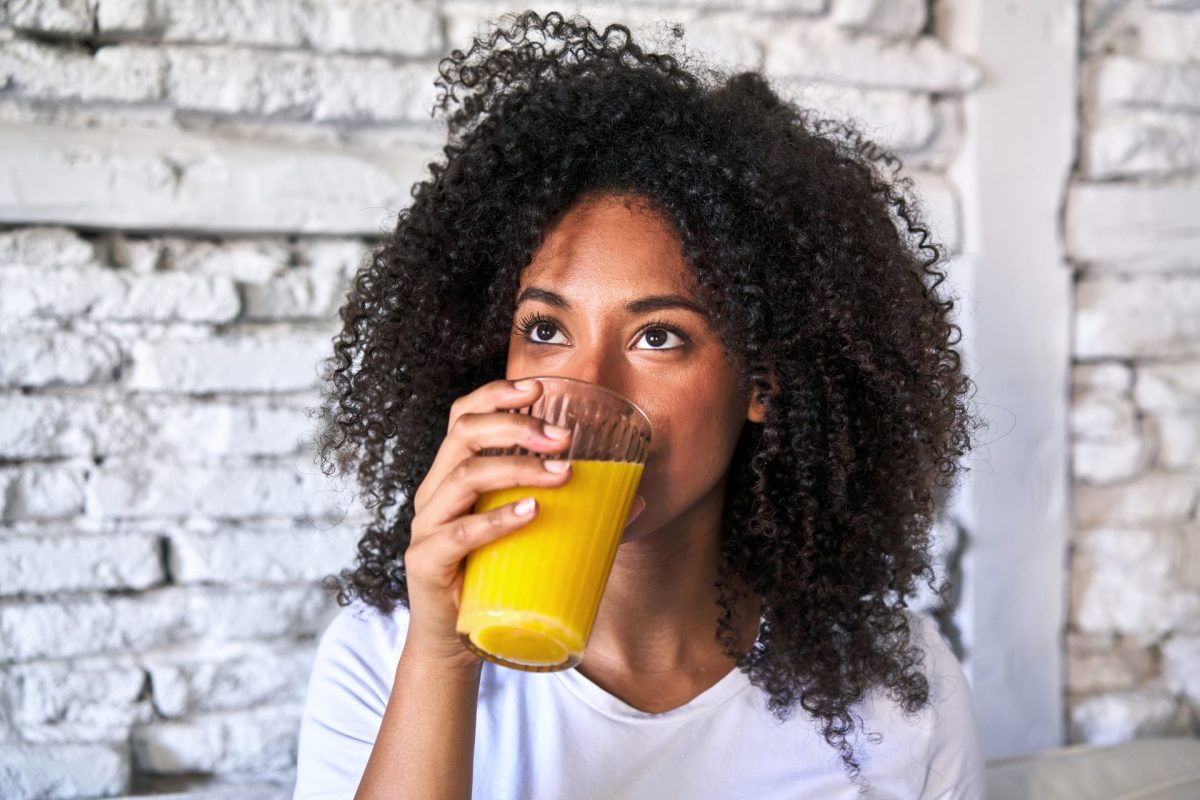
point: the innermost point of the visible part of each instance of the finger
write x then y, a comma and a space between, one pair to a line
499, 429
495, 395
453, 542
473, 432
491, 396
436, 560
456, 495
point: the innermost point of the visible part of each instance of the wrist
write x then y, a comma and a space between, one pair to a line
450, 658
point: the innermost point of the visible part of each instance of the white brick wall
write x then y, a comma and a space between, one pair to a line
1131, 232
182, 207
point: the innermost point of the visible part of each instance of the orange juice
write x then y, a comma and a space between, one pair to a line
530, 598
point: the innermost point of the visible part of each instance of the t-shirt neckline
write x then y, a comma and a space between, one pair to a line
734, 682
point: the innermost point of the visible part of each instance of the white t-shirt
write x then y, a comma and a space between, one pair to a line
550, 735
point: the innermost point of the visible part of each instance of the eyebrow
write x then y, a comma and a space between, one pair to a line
643, 305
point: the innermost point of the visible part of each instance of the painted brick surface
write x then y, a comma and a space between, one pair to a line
183, 207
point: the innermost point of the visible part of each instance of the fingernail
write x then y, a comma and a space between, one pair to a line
524, 507
524, 385
555, 431
556, 464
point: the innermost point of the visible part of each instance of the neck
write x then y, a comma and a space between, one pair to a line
659, 612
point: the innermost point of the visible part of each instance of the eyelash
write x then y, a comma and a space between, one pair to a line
529, 321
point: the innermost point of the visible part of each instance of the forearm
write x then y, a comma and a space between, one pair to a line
426, 742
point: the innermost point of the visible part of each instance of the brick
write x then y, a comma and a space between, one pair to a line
1152, 497
31, 564
271, 556
86, 700
298, 294
1122, 82
1188, 573
113, 74
1122, 582
294, 84
1140, 31
196, 431
154, 179
395, 27
43, 491
48, 426
138, 256
1168, 36
64, 771
1099, 663
900, 18
824, 54
243, 260
99, 624
228, 786
1111, 719
1131, 317
341, 256
903, 121
174, 297
107, 294
1107, 377
1109, 27
1102, 417
54, 358
44, 247
278, 361
1133, 227
1181, 666
1169, 387
372, 90
1178, 440
166, 490
259, 740
1106, 462
1141, 144
228, 677
50, 16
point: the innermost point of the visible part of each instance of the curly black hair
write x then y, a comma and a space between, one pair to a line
792, 226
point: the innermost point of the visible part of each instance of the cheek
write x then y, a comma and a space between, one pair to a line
691, 447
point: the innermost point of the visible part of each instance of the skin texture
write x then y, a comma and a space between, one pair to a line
819, 280
652, 642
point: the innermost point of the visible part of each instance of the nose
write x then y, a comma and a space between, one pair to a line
598, 365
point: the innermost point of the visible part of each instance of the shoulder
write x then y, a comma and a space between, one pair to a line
945, 731
362, 645
363, 627
347, 695
947, 680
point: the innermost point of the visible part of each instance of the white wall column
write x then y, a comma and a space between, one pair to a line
1012, 173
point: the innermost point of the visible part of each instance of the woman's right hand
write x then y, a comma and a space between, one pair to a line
445, 529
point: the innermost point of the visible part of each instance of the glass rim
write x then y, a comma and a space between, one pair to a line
596, 387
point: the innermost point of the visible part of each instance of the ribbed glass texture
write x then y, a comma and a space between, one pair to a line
529, 599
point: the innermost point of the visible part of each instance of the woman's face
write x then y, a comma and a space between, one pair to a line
579, 301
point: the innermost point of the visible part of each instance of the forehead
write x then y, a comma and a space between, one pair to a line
608, 242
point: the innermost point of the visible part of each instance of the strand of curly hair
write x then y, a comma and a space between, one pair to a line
817, 270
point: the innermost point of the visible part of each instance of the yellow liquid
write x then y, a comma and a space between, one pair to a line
530, 598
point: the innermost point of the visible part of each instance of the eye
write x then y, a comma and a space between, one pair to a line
538, 325
657, 333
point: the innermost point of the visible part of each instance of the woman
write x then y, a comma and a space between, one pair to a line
736, 269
